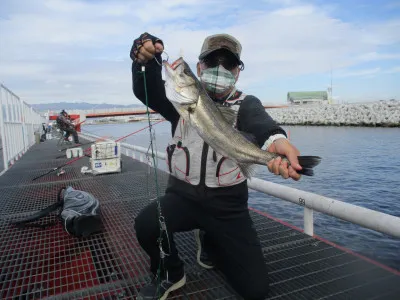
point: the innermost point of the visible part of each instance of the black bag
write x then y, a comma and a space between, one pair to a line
79, 213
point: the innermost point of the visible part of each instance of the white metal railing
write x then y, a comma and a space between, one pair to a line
364, 217
18, 123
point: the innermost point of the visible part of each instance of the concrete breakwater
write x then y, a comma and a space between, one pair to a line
374, 114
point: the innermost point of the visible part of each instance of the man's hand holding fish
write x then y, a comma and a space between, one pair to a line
281, 167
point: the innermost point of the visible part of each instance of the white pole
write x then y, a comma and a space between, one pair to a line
365, 217
3, 133
308, 221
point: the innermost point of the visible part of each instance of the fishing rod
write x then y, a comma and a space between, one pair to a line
75, 125
124, 137
80, 123
80, 145
59, 167
120, 139
77, 158
61, 150
101, 139
89, 131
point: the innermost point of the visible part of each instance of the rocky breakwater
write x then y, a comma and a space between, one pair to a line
375, 114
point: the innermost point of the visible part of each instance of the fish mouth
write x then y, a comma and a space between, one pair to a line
175, 64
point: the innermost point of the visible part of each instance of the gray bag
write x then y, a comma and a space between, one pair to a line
79, 213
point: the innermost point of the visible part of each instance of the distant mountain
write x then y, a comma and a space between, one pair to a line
81, 105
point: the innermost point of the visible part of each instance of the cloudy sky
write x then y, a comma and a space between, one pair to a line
78, 50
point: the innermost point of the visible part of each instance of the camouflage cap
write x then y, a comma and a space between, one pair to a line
221, 41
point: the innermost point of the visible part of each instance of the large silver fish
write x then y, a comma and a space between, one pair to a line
214, 123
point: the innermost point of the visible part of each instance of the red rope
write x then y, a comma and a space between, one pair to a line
124, 137
90, 149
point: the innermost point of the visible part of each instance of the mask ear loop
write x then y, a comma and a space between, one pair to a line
236, 78
241, 66
231, 93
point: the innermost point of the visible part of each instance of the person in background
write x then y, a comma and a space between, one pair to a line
65, 124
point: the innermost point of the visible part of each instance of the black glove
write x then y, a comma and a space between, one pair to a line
144, 37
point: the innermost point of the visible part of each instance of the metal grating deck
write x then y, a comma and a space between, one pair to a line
40, 264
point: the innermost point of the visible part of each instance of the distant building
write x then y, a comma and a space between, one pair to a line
299, 98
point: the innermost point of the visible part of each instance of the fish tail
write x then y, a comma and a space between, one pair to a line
306, 172
308, 163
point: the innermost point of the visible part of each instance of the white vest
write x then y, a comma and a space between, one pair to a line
184, 157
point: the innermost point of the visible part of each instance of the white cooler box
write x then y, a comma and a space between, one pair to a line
106, 158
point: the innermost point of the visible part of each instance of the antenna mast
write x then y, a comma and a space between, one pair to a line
331, 87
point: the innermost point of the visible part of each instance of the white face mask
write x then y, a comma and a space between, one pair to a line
217, 80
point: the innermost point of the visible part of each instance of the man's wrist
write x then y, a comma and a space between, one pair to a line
272, 139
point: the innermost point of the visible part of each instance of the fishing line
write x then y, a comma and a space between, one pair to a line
160, 63
117, 140
84, 144
161, 219
91, 132
103, 138
124, 137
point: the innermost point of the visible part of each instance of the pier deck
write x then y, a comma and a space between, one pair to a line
48, 263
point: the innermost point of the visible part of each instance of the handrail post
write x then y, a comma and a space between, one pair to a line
308, 221
22, 119
32, 127
2, 130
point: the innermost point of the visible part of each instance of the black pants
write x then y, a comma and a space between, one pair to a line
72, 131
231, 240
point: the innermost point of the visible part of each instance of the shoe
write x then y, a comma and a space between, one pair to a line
202, 257
154, 291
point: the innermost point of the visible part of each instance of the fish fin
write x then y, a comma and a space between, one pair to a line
248, 170
308, 163
191, 108
186, 124
228, 113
